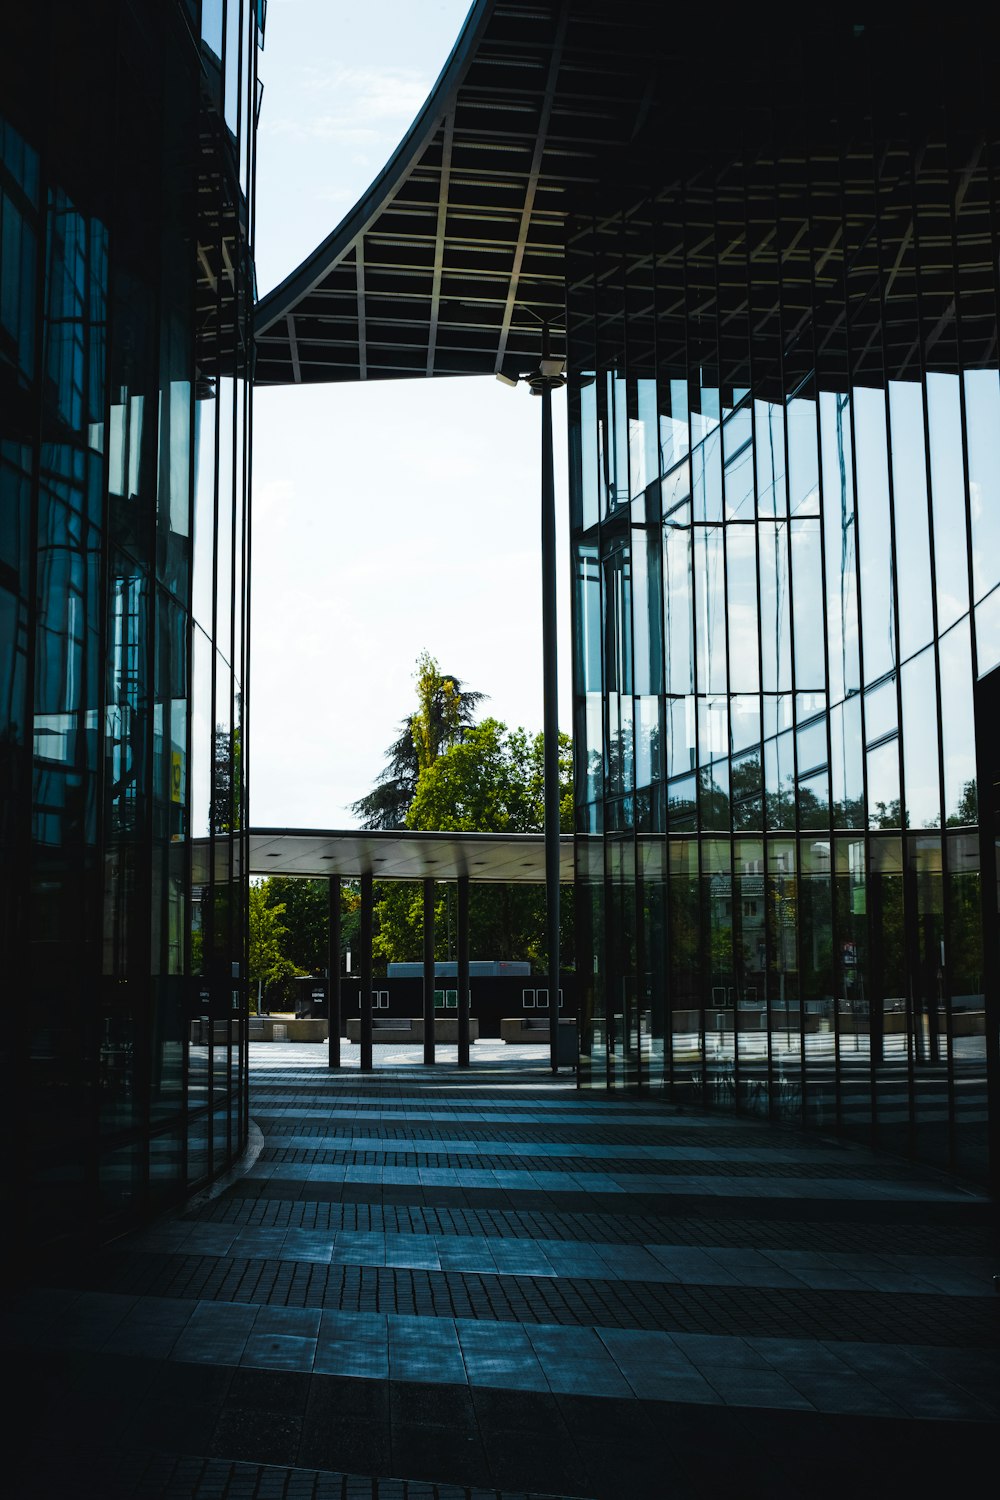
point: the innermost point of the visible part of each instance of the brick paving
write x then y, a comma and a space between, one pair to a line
434, 1286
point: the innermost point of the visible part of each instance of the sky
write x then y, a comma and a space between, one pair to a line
390, 518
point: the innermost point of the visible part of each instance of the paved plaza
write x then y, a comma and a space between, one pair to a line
442, 1284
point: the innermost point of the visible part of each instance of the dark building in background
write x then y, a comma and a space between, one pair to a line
769, 254
126, 207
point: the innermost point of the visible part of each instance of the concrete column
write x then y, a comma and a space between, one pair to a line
429, 891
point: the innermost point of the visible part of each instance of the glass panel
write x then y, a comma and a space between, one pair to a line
875, 547
948, 495
909, 485
647, 612
234, 61
741, 562
642, 440
881, 713
964, 968
677, 607
204, 512
706, 479
803, 461
816, 931
883, 786
649, 741
674, 435
982, 425
225, 519
838, 531
713, 729
775, 607
988, 633
201, 734
588, 449
746, 786
737, 435
958, 728
682, 804
744, 721
750, 952
588, 620
710, 602
782, 977
807, 578
920, 745
684, 961
846, 766
769, 450
779, 781
680, 735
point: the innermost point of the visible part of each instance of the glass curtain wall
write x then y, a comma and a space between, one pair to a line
126, 203
785, 463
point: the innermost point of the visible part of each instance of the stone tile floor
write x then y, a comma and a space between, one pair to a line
427, 1283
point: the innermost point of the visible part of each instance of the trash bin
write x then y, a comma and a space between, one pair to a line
567, 1043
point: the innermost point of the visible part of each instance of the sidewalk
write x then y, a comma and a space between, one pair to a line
487, 1283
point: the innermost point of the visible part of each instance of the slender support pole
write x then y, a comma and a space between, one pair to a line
550, 689
333, 973
429, 890
366, 972
463, 971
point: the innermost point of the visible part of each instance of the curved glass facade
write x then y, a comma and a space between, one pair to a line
126, 172
785, 490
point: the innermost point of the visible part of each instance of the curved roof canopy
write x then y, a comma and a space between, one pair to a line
455, 252
404, 854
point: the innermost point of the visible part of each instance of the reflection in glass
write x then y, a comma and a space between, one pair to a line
944, 417
920, 746
769, 447
982, 425
677, 608
958, 727
807, 573
909, 486
710, 608
803, 462
838, 532
741, 561
883, 785
875, 533
647, 615
775, 607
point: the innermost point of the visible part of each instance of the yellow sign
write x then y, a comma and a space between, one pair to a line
176, 763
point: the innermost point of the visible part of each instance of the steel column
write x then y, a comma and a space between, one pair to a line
550, 689
429, 891
366, 972
463, 971
333, 973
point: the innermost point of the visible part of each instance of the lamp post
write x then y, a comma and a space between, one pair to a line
542, 381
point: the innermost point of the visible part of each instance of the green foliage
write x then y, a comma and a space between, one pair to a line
447, 773
491, 781
444, 711
267, 963
305, 905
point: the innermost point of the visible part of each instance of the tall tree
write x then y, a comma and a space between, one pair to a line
444, 712
267, 963
490, 781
